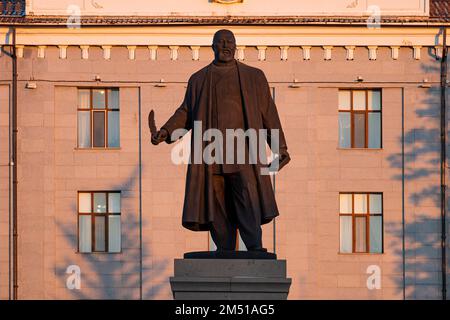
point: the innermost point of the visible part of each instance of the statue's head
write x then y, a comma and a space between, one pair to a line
224, 45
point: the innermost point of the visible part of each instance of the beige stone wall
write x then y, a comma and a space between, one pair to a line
212, 7
52, 170
103, 275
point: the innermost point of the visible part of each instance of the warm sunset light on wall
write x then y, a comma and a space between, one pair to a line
228, 1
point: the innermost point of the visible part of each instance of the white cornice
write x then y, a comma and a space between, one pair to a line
372, 52
394, 52
327, 52
153, 52
246, 36
62, 52
262, 53
84, 52
260, 37
41, 52
306, 52
284, 50
350, 52
174, 52
240, 53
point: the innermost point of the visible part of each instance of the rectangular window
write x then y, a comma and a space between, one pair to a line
361, 222
99, 228
360, 118
98, 118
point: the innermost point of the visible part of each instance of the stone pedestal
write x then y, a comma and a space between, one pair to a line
230, 279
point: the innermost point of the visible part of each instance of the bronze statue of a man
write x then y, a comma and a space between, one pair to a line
226, 196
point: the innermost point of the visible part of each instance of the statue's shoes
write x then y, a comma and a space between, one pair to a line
258, 249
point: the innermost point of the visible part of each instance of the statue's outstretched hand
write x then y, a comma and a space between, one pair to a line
159, 136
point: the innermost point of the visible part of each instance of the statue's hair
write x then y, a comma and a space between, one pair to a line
216, 35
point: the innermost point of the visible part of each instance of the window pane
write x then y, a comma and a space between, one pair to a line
98, 98
374, 130
84, 234
84, 202
113, 98
84, 98
99, 202
375, 235
114, 236
114, 203
359, 100
360, 202
374, 98
360, 234
346, 234
345, 200
344, 100
344, 130
100, 241
360, 130
84, 129
113, 129
99, 129
375, 203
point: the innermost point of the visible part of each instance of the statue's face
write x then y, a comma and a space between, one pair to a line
224, 46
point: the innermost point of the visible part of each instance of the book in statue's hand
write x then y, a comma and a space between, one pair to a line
151, 123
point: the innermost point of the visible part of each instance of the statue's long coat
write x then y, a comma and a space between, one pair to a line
260, 113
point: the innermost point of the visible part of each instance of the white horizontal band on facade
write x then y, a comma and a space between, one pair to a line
284, 53
306, 52
373, 50
153, 52
131, 52
84, 52
261, 52
246, 36
19, 51
395, 52
174, 52
327, 52
195, 53
106, 52
350, 52
240, 51
62, 52
417, 50
245, 8
41, 52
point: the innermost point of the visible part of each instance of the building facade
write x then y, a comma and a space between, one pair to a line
358, 89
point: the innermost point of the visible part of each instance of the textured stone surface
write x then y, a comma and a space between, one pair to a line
229, 268
232, 254
52, 170
230, 279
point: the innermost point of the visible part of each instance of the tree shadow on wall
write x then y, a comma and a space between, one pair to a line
422, 199
112, 275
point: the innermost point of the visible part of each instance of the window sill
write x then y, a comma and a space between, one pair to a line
361, 253
98, 149
98, 252
368, 149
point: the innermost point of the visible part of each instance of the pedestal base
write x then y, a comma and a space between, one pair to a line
231, 254
230, 279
